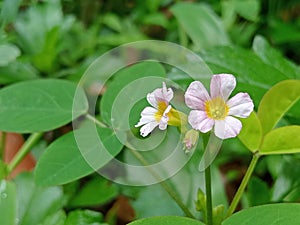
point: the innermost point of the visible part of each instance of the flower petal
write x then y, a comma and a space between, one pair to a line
240, 105
163, 94
228, 128
196, 95
163, 123
167, 110
222, 85
147, 116
147, 128
199, 121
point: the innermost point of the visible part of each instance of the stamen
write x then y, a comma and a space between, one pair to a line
216, 108
160, 110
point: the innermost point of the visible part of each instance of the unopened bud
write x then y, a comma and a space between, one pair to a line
190, 140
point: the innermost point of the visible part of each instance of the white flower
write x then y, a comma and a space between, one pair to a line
216, 110
161, 113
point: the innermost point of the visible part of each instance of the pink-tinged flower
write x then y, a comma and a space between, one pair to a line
216, 110
161, 113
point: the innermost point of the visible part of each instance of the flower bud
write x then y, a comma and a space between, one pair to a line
190, 140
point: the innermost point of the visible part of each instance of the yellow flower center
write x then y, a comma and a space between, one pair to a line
161, 108
176, 118
216, 108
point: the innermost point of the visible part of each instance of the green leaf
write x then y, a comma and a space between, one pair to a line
40, 105
242, 33
148, 199
274, 165
36, 203
167, 220
32, 25
17, 71
96, 192
258, 192
251, 133
120, 39
125, 77
218, 214
84, 217
276, 102
8, 53
283, 32
201, 201
45, 59
65, 160
249, 9
267, 214
112, 21
283, 140
228, 14
293, 196
8, 206
153, 5
274, 58
9, 10
58, 218
156, 19
287, 179
202, 25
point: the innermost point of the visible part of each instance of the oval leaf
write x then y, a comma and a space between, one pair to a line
36, 203
9, 11
167, 220
267, 214
64, 161
57, 218
40, 105
16, 72
276, 102
202, 25
8, 53
249, 9
96, 192
251, 133
84, 217
284, 140
274, 58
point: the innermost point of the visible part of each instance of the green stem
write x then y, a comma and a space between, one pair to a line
93, 119
165, 186
243, 185
30, 142
209, 216
208, 196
